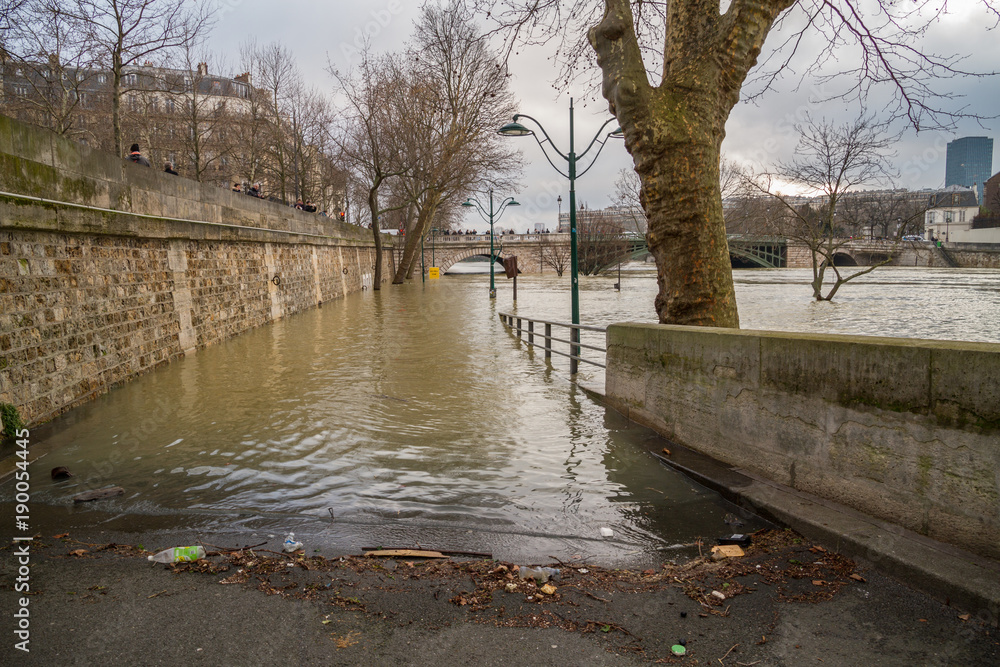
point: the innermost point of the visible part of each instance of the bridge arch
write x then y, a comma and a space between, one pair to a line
844, 259
458, 254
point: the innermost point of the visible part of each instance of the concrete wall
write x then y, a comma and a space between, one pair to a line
91, 298
904, 430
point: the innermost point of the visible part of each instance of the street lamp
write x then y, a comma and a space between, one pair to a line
491, 216
559, 219
516, 129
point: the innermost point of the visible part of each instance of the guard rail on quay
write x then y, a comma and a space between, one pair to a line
516, 324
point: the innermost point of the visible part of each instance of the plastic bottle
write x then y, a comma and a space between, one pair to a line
291, 545
178, 555
540, 574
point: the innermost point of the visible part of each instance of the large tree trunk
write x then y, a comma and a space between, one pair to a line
679, 171
674, 133
377, 233
410, 241
425, 217
116, 106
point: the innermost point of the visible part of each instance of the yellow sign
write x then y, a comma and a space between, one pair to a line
434, 272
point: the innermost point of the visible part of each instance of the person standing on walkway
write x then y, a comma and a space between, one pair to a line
135, 156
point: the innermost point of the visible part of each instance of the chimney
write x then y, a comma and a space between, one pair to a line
243, 78
203, 69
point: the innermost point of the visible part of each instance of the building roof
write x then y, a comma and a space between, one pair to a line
954, 198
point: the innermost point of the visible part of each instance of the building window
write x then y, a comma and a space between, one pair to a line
20, 89
169, 103
133, 102
102, 78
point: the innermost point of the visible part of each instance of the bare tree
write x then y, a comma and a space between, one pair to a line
628, 192
53, 58
832, 160
459, 95
884, 214
600, 242
249, 126
129, 32
698, 58
368, 139
279, 76
554, 254
205, 131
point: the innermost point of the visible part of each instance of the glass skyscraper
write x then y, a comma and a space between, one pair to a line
969, 162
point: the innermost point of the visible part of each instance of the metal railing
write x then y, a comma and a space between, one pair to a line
516, 324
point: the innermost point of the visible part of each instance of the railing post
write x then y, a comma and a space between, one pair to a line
519, 327
531, 333
574, 350
548, 341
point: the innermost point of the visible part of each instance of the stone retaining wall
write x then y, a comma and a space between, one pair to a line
90, 298
903, 430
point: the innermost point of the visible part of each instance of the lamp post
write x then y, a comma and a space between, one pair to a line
491, 216
559, 219
516, 129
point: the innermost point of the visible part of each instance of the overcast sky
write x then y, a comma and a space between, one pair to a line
756, 133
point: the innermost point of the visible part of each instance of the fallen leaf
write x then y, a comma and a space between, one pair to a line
819, 582
666, 451
858, 577
78, 552
60, 536
922, 620
965, 617
548, 589
326, 622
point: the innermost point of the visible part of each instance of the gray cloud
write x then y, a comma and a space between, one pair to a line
761, 133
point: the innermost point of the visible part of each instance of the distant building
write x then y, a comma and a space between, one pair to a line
991, 194
626, 218
949, 215
969, 162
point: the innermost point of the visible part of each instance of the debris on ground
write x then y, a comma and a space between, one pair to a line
506, 595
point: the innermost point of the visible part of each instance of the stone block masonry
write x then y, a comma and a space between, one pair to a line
903, 430
109, 269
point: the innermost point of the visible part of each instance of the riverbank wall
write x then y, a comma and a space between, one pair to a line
904, 430
109, 269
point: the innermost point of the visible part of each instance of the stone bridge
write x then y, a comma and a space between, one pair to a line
744, 251
445, 251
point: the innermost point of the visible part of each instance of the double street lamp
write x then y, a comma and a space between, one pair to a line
516, 129
490, 215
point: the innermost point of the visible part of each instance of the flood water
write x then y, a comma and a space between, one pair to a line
411, 417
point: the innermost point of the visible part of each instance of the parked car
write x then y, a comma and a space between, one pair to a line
914, 237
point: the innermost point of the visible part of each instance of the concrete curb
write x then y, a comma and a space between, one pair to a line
947, 573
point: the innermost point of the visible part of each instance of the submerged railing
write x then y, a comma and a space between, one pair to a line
516, 324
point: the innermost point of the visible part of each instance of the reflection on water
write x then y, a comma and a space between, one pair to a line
410, 416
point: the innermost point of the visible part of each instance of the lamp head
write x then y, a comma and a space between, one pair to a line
514, 130
467, 203
513, 203
617, 134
